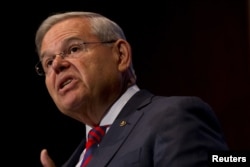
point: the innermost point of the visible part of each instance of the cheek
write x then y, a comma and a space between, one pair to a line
96, 69
49, 86
90, 68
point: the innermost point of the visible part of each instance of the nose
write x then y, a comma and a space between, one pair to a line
60, 64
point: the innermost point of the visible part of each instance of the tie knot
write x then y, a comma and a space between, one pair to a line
94, 138
95, 134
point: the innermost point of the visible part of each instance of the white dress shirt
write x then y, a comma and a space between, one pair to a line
113, 112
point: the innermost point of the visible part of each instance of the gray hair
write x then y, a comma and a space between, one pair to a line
104, 28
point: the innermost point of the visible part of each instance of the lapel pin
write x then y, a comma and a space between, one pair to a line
123, 123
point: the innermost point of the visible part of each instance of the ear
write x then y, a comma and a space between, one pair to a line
123, 50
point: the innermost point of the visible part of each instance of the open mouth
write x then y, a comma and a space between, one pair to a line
66, 83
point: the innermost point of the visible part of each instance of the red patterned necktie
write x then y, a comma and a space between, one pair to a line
94, 138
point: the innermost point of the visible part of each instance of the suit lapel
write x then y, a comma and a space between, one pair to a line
120, 129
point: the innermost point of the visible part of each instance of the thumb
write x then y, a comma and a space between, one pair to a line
46, 160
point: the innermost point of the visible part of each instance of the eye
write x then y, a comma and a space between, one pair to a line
74, 49
47, 63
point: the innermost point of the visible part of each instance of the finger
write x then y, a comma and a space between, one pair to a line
45, 159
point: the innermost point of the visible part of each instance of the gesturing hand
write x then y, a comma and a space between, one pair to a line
46, 160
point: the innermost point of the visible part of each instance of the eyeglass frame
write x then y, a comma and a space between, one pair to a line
39, 67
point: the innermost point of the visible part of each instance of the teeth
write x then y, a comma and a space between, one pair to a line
67, 82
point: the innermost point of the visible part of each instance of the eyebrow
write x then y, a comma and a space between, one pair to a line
64, 43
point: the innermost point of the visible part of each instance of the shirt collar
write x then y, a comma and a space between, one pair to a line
115, 109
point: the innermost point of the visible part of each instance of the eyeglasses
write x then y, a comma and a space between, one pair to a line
71, 51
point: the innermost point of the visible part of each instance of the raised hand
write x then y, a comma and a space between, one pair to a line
46, 160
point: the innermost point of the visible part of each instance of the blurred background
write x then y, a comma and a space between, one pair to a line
180, 47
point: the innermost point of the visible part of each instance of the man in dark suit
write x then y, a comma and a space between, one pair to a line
87, 64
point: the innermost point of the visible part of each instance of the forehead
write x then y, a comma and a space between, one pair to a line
69, 28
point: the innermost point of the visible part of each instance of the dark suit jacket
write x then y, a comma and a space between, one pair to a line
159, 131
